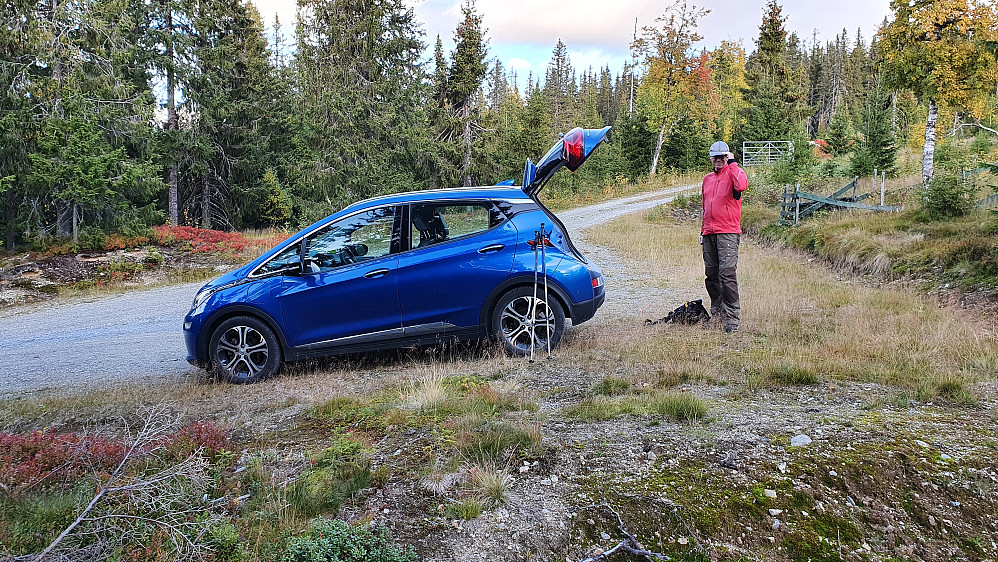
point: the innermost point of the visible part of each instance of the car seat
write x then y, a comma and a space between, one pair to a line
430, 225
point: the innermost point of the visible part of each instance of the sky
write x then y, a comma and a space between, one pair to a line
598, 33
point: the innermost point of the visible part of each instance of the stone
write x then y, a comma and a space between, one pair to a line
683, 541
921, 444
800, 440
776, 524
775, 512
850, 501
832, 473
782, 467
604, 535
770, 493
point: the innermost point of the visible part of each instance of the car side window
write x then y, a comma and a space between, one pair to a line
433, 223
360, 237
287, 257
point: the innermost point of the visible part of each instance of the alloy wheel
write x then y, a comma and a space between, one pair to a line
527, 319
242, 351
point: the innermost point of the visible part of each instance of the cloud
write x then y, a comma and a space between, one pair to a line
519, 65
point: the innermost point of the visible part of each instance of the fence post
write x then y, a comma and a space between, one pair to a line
796, 204
875, 174
883, 186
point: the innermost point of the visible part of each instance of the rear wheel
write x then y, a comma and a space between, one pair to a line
521, 321
243, 349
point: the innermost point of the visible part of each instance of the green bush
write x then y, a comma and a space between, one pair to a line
336, 541
947, 196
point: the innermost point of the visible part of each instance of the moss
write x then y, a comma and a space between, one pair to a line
805, 545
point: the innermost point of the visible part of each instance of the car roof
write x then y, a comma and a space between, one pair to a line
456, 193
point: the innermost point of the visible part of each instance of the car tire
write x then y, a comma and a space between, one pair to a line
510, 322
244, 349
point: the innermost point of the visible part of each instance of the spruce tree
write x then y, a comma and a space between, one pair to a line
467, 71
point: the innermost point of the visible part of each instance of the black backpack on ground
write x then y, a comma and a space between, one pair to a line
690, 313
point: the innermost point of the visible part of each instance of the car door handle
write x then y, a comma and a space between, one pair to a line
376, 273
492, 248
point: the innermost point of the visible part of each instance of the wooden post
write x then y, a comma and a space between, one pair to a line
796, 204
875, 179
855, 183
883, 186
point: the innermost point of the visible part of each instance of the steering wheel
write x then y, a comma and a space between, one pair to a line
346, 256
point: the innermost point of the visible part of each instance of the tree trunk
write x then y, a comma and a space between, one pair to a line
76, 222
658, 150
894, 115
206, 204
466, 163
171, 121
930, 142
63, 220
9, 214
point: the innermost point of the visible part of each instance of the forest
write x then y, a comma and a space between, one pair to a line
120, 115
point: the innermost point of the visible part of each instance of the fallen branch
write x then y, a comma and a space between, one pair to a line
628, 544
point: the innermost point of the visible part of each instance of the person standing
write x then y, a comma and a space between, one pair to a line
720, 233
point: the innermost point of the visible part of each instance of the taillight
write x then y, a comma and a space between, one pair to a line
597, 282
574, 150
547, 242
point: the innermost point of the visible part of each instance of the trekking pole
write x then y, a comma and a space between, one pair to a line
544, 273
533, 303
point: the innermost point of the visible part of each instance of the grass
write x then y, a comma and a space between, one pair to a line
800, 324
680, 406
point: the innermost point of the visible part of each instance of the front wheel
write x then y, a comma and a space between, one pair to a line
244, 349
521, 322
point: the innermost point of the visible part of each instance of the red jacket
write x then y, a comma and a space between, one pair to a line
722, 213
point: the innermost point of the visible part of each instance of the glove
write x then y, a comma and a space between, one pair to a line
701, 239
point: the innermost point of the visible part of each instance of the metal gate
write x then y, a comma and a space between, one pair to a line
760, 153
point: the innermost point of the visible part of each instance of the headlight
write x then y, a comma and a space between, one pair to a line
201, 297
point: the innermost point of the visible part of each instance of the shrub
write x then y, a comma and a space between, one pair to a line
45, 458
337, 473
213, 441
946, 196
336, 541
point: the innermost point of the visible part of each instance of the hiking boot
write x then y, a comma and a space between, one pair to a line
730, 328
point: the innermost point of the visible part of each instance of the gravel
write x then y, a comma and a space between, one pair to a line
138, 336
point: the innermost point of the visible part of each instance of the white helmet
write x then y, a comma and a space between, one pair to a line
719, 148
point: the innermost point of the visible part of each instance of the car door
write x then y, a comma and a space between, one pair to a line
456, 252
347, 292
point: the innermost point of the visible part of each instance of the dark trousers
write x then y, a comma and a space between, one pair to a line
720, 260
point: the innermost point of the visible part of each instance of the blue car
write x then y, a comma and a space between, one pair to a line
403, 270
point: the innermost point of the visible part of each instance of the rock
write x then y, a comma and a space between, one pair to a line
945, 457
775, 512
651, 455
800, 440
729, 461
524, 469
782, 467
955, 504
604, 535
850, 501
683, 541
832, 473
776, 524
770, 493
922, 444
932, 521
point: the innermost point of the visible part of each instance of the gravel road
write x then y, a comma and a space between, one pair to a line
138, 335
